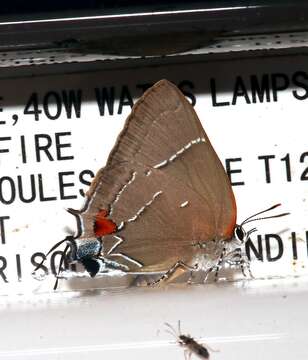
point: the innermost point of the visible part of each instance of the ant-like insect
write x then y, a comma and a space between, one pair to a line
190, 344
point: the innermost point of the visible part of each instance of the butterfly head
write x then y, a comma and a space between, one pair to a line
241, 235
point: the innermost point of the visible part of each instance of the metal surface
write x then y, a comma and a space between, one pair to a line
242, 322
47, 37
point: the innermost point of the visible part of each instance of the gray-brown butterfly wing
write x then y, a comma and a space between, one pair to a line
160, 220
164, 132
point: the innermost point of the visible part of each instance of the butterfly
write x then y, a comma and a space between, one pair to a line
163, 203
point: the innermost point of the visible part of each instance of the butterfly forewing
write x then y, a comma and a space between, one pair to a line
164, 132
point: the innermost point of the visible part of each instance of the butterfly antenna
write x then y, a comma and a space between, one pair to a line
253, 217
251, 231
268, 217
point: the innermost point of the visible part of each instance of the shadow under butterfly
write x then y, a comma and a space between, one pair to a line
163, 203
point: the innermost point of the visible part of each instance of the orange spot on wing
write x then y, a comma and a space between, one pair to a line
229, 228
102, 225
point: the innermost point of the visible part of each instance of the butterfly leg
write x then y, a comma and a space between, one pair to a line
236, 258
175, 271
249, 270
190, 279
219, 264
245, 263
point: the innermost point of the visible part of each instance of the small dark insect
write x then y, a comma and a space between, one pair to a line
190, 344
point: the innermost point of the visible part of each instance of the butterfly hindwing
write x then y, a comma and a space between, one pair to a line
160, 220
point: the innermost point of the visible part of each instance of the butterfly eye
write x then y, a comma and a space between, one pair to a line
240, 233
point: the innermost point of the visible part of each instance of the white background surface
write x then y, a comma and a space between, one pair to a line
258, 318
241, 322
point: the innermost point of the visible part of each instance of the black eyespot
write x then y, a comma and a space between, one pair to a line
239, 232
91, 265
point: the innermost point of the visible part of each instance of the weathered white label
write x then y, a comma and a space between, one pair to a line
57, 131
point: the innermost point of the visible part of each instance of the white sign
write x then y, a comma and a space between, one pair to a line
57, 131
